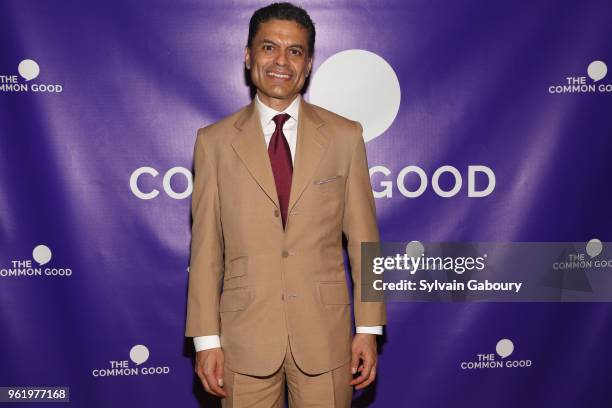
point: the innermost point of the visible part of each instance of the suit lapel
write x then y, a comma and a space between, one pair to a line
250, 145
311, 145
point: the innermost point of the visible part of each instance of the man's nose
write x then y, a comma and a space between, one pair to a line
281, 58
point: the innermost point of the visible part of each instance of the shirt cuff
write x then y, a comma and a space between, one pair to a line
369, 329
206, 342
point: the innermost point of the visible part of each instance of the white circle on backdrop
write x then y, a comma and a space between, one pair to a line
139, 354
361, 86
597, 70
415, 249
594, 247
504, 347
28, 69
41, 254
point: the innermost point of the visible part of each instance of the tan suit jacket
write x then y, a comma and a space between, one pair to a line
257, 284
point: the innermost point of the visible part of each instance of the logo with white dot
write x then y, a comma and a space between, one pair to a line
596, 71
28, 70
504, 348
139, 354
38, 266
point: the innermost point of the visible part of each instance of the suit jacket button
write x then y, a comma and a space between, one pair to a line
276, 213
285, 254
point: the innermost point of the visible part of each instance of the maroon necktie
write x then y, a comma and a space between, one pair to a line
282, 166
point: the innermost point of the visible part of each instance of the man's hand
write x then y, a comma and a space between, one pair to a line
209, 367
364, 349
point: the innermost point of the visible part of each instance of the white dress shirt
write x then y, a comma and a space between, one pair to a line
290, 130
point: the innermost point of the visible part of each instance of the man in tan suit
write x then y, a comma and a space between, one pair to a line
276, 185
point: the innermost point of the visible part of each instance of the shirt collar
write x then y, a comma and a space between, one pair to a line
266, 113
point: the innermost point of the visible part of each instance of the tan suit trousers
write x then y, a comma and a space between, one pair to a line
327, 390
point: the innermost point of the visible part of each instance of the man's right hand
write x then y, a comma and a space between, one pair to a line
209, 368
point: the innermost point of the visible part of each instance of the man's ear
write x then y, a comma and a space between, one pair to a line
247, 57
309, 66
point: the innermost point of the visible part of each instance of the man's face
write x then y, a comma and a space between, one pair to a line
279, 61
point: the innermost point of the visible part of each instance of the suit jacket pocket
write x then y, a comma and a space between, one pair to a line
234, 299
334, 293
237, 267
327, 180
333, 186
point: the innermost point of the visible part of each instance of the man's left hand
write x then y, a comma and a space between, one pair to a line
363, 351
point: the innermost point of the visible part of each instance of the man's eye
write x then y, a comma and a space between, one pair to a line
267, 47
296, 52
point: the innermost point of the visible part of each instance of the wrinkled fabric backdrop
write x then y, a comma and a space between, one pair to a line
96, 157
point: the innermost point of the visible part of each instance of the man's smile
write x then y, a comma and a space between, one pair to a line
278, 75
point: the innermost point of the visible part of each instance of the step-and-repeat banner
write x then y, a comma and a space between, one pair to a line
484, 122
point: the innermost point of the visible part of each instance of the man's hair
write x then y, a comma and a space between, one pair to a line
282, 11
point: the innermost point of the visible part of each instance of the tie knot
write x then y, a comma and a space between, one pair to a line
280, 119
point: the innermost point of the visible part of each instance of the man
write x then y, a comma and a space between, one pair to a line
276, 185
